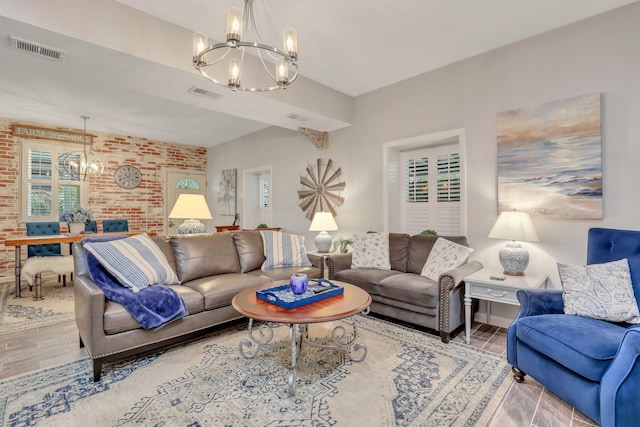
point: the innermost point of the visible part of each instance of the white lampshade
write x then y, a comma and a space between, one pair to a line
191, 207
514, 225
323, 222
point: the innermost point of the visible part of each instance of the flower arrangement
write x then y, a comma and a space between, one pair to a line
76, 214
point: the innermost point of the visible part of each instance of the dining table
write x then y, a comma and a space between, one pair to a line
19, 241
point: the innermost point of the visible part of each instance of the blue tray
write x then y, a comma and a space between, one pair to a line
283, 297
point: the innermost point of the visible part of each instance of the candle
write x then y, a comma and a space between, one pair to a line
299, 283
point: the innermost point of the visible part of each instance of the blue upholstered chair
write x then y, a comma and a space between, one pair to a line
52, 249
114, 225
592, 364
91, 226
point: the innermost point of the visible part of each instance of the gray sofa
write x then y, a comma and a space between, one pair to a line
211, 268
402, 293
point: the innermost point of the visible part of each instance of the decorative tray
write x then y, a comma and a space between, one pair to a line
282, 295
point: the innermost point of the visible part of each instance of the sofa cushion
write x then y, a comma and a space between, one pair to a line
219, 290
399, 251
136, 262
202, 255
250, 250
283, 250
444, 256
602, 291
561, 337
164, 243
365, 278
371, 250
420, 246
410, 288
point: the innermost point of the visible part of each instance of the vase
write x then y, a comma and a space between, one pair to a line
299, 283
76, 228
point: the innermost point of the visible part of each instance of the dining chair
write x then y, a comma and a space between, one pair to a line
114, 225
91, 226
52, 249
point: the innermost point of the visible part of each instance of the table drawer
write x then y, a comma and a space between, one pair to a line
507, 296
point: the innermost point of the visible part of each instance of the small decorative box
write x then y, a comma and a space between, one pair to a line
283, 296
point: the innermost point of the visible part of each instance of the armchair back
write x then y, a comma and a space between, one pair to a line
606, 245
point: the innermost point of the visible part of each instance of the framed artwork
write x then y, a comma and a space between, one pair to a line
550, 159
227, 192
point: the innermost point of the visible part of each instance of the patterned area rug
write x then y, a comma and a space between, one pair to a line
408, 378
18, 314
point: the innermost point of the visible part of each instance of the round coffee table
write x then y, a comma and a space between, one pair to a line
344, 306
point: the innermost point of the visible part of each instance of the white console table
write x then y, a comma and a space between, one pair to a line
479, 285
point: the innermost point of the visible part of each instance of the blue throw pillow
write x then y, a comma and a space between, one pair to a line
136, 262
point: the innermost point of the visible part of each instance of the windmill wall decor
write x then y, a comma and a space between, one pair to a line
321, 187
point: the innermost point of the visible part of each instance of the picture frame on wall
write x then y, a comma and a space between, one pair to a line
550, 159
227, 189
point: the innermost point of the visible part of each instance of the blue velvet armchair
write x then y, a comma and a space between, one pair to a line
592, 364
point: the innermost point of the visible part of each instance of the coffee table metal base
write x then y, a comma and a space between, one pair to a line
340, 339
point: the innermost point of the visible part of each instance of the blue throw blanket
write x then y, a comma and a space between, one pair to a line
152, 307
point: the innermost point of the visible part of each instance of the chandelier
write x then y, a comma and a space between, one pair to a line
242, 48
82, 165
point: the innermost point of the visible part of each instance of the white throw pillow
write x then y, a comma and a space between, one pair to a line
371, 250
283, 250
602, 291
136, 262
444, 256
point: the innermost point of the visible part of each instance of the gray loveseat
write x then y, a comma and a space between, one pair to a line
402, 293
211, 268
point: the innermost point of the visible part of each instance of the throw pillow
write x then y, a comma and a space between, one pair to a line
371, 250
136, 262
283, 250
444, 256
602, 291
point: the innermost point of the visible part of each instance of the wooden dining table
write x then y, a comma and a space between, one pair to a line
19, 241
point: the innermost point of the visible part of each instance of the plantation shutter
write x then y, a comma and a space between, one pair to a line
432, 197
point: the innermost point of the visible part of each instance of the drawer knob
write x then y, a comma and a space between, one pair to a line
490, 291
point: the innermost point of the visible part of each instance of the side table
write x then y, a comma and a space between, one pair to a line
479, 285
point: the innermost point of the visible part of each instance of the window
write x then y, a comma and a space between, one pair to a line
431, 183
264, 202
47, 187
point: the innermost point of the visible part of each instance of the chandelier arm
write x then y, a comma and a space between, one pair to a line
264, 65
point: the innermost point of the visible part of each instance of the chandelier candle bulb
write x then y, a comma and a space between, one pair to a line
291, 43
234, 74
200, 42
282, 72
234, 25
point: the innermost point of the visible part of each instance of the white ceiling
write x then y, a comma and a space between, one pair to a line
351, 46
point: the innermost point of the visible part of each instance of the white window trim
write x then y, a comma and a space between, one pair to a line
392, 167
58, 148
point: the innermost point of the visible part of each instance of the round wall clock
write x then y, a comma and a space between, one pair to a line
128, 176
321, 187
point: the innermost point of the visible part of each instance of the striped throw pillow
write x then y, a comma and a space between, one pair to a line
283, 250
136, 262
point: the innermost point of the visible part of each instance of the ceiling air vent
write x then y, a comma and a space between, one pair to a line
195, 90
37, 49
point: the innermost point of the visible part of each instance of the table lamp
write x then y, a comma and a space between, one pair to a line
191, 208
323, 222
514, 225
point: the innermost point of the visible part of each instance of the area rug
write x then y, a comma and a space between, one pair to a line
408, 378
17, 314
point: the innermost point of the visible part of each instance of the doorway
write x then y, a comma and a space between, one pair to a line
181, 182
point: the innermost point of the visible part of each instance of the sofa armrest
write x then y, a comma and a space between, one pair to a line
316, 261
448, 283
337, 262
620, 385
534, 302
89, 306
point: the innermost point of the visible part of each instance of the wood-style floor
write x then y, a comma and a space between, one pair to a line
526, 404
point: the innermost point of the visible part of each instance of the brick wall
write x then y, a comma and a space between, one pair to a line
142, 206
